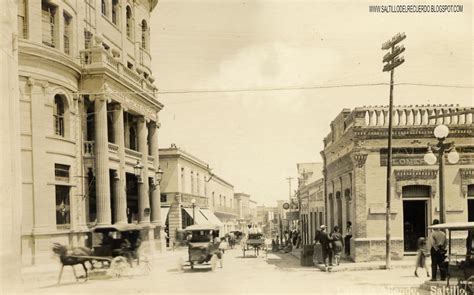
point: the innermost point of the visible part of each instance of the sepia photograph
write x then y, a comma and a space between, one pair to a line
237, 147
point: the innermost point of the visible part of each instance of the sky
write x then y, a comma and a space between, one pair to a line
254, 139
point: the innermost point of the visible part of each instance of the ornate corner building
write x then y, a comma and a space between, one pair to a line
355, 160
89, 118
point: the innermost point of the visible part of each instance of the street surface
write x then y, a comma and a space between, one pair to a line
278, 273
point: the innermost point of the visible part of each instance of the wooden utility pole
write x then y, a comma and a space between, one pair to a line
392, 60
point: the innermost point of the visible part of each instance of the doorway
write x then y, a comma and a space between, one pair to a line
414, 223
470, 210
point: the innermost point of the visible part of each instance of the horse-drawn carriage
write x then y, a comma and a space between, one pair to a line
460, 265
203, 246
115, 249
255, 241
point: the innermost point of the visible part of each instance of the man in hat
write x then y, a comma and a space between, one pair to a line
438, 244
325, 241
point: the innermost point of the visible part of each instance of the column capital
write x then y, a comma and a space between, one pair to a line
359, 159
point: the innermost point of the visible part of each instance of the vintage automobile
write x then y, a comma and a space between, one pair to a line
203, 246
459, 265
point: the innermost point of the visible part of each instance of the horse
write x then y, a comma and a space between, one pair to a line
70, 257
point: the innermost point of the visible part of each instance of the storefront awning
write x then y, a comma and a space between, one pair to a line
211, 217
164, 215
200, 218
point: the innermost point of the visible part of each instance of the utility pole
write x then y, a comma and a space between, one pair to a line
392, 61
289, 184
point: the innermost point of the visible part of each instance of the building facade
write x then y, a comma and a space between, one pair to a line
311, 199
221, 202
191, 194
10, 159
89, 119
355, 163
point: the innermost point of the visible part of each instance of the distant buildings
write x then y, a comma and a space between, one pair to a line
190, 194
311, 199
355, 160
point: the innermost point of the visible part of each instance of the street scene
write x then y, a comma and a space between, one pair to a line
237, 147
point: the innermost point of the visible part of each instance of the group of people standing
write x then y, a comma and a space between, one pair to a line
333, 243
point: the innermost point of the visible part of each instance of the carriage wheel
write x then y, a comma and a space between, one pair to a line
470, 285
145, 264
118, 265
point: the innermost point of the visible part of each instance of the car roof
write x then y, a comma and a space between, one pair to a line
117, 227
205, 226
454, 226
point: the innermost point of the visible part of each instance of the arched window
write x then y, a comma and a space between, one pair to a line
144, 35
129, 22
58, 114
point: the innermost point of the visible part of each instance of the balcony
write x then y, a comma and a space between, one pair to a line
225, 210
98, 59
89, 151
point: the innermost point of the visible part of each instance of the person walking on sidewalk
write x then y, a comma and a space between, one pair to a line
337, 244
326, 247
421, 256
438, 252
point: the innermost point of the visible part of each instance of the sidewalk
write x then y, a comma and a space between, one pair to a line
345, 265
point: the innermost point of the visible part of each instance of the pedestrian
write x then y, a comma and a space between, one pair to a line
223, 245
326, 248
347, 239
294, 236
438, 244
337, 244
421, 256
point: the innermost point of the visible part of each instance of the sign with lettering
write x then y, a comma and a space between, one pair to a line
417, 160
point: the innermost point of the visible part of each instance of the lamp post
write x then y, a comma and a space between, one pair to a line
158, 178
193, 202
137, 169
441, 132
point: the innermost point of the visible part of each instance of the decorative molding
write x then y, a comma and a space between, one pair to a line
359, 159
467, 178
406, 177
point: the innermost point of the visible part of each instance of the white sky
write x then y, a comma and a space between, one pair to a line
255, 139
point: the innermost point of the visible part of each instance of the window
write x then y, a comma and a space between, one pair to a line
144, 35
58, 114
163, 199
61, 172
48, 14
182, 179
67, 33
63, 213
192, 182
103, 7
129, 22
198, 184
87, 39
115, 11
22, 20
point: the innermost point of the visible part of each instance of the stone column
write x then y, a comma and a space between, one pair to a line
360, 248
120, 200
155, 199
101, 147
143, 199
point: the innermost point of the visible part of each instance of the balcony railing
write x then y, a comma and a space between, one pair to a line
133, 153
98, 57
225, 210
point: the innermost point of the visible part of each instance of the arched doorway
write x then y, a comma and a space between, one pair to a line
415, 214
339, 210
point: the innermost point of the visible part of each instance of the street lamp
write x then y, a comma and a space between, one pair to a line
193, 202
157, 180
441, 132
138, 171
